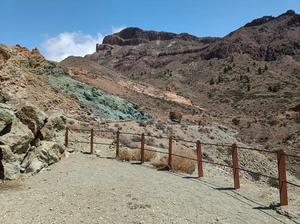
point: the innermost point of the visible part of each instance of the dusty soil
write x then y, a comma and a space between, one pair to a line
92, 189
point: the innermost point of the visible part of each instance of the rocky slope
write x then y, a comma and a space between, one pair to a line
248, 80
37, 100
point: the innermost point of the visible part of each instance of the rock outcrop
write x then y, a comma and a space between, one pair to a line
135, 36
22, 128
175, 116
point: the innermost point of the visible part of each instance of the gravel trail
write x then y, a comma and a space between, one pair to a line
89, 189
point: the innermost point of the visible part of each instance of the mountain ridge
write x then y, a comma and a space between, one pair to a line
248, 80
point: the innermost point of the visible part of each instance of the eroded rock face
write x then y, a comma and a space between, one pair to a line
6, 118
23, 127
18, 138
56, 122
31, 116
136, 36
42, 156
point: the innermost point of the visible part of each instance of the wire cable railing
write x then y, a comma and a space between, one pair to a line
234, 153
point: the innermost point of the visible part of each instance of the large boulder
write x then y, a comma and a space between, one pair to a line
23, 131
175, 116
56, 122
42, 156
11, 163
31, 116
6, 118
18, 138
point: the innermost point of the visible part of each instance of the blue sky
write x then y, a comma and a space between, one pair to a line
59, 28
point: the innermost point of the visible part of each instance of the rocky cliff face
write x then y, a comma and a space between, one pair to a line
136, 36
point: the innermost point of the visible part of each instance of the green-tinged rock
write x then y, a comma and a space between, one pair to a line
101, 104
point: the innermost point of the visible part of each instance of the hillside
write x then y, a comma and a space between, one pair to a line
249, 80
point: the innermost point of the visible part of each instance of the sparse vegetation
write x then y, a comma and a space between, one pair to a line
273, 182
135, 154
259, 70
180, 161
235, 121
256, 176
221, 149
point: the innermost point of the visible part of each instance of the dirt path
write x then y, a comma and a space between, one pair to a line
89, 189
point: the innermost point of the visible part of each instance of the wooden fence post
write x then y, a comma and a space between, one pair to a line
92, 141
118, 144
67, 137
236, 175
143, 148
199, 159
282, 178
170, 153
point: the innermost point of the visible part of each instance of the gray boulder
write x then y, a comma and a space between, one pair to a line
18, 138
42, 156
6, 118
56, 122
11, 163
31, 116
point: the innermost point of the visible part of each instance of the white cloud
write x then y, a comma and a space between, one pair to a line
117, 29
66, 44
72, 43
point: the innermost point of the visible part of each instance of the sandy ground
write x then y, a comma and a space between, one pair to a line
91, 189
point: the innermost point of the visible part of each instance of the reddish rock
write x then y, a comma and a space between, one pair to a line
175, 116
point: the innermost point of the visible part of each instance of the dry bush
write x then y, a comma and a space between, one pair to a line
182, 164
160, 162
269, 158
135, 154
148, 155
273, 182
179, 164
136, 138
95, 124
160, 125
124, 154
150, 141
124, 140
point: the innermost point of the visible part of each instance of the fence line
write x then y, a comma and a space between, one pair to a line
234, 152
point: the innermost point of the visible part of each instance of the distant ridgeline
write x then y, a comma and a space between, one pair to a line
101, 104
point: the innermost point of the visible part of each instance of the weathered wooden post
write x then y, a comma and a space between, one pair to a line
118, 144
92, 141
170, 153
199, 159
67, 137
143, 149
282, 178
236, 175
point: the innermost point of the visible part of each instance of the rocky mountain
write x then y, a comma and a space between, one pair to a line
248, 80
264, 39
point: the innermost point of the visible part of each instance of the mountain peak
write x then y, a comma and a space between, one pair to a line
136, 36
